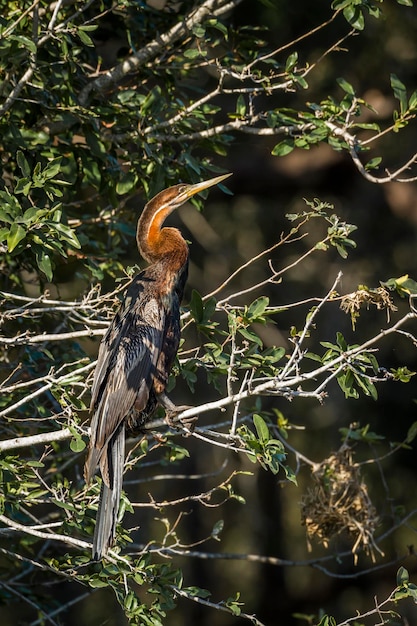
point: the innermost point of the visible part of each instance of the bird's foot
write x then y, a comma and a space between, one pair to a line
186, 422
172, 411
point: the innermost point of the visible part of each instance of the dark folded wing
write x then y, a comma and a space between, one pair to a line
126, 365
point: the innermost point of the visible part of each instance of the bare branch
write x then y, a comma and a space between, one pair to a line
31, 530
151, 50
35, 440
354, 146
251, 618
52, 380
27, 339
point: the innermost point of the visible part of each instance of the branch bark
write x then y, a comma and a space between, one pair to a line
153, 48
35, 440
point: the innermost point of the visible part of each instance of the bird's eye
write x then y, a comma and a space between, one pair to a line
182, 188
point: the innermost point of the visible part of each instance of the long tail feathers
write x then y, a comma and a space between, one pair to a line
105, 530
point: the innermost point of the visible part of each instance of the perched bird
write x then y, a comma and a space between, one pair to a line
137, 352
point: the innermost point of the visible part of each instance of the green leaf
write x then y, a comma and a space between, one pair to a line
283, 148
97, 582
368, 126
241, 106
67, 234
196, 306
257, 308
217, 529
404, 285
32, 215
198, 30
367, 386
301, 82
197, 592
412, 433
400, 93
127, 182
341, 341
192, 53
291, 62
53, 168
412, 103
77, 444
86, 39
192, 163
6, 217
23, 185
313, 356
373, 163
45, 265
25, 42
343, 84
402, 374
252, 337
290, 474
261, 428
35, 464
23, 164
327, 620
346, 381
209, 308
234, 605
219, 26
354, 16
402, 576
16, 234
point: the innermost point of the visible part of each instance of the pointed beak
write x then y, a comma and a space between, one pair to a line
205, 184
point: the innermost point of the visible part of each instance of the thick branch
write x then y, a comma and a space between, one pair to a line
151, 50
35, 440
24, 339
353, 144
29, 530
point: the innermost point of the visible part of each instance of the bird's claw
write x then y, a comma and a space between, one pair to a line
171, 413
171, 416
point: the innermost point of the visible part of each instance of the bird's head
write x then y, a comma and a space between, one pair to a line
153, 241
170, 199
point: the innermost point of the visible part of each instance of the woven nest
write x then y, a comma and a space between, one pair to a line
379, 297
338, 503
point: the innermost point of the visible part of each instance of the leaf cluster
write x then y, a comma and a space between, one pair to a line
32, 217
81, 137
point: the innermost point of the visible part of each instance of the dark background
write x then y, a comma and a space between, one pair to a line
231, 230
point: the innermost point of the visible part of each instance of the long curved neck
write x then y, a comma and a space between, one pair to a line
156, 243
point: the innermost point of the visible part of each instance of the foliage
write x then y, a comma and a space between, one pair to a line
83, 131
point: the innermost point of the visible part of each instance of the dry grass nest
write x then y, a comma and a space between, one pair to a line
364, 296
338, 503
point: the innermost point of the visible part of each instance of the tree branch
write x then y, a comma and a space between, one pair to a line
35, 440
26, 339
152, 49
29, 530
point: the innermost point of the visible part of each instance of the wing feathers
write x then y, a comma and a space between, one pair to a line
133, 365
126, 365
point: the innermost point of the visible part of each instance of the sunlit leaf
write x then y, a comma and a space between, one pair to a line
16, 234
261, 428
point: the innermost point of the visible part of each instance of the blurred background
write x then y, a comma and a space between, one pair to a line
229, 231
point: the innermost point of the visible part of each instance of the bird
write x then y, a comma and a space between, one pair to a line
137, 352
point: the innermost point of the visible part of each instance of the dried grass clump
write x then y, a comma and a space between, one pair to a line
339, 503
364, 296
